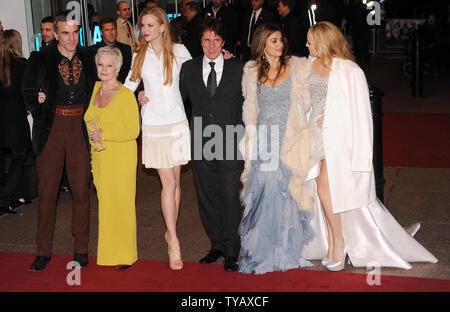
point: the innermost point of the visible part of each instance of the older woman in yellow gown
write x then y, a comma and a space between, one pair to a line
115, 111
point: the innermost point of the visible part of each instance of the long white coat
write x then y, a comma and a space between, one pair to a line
348, 137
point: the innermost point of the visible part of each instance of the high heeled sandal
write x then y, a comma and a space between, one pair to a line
173, 249
339, 265
326, 261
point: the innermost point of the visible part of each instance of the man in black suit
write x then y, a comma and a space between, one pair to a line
56, 87
108, 30
292, 28
192, 12
213, 86
47, 31
229, 20
255, 17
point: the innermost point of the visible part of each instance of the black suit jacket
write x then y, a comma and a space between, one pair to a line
193, 40
222, 109
295, 35
264, 17
125, 49
41, 74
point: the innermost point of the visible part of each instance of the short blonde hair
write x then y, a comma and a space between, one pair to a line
111, 51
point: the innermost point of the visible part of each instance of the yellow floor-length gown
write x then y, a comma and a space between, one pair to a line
114, 171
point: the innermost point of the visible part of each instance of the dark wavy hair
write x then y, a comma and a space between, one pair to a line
258, 46
214, 25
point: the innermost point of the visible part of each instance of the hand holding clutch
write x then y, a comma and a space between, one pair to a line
95, 135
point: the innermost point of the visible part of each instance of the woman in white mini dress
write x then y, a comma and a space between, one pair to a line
165, 129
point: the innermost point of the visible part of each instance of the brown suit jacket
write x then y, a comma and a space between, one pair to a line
123, 35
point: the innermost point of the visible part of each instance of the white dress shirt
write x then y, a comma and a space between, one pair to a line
165, 105
218, 67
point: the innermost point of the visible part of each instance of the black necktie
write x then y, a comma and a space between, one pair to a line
252, 28
211, 84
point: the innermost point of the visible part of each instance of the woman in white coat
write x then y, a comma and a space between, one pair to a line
341, 139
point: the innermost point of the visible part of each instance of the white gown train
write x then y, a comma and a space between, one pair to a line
372, 235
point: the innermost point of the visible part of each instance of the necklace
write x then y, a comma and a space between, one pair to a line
102, 92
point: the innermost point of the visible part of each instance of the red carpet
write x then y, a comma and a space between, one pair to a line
416, 140
156, 276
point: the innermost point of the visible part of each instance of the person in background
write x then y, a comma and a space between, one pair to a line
359, 29
116, 113
165, 129
192, 12
47, 31
179, 29
291, 27
357, 223
230, 20
432, 40
149, 4
56, 88
184, 3
14, 127
255, 17
125, 31
108, 30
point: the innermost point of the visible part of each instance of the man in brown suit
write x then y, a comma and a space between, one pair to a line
125, 31
56, 87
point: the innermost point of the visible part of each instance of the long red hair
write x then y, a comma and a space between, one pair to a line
168, 41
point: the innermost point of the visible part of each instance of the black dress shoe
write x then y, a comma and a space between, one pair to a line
122, 267
17, 203
8, 210
230, 264
211, 257
39, 263
82, 259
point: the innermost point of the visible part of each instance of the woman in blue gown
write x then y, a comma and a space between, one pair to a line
276, 222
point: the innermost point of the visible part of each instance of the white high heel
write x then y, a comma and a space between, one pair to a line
326, 261
412, 229
338, 266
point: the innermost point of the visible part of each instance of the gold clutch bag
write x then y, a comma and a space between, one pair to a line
93, 126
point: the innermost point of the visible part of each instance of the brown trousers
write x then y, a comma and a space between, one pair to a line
65, 144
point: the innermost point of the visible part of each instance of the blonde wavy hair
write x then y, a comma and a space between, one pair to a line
329, 42
168, 42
